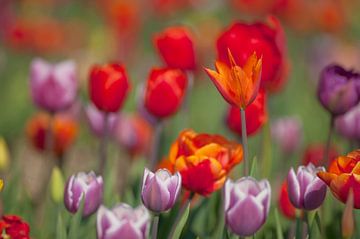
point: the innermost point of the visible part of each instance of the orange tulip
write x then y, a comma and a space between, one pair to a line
343, 175
239, 86
204, 160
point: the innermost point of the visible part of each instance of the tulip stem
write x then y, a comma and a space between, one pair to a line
103, 145
326, 159
244, 141
154, 227
155, 145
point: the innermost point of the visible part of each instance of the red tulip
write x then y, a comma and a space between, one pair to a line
176, 47
266, 39
256, 116
108, 87
12, 226
165, 91
315, 154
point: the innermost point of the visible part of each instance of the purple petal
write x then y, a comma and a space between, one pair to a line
155, 195
174, 187
314, 194
125, 231
293, 188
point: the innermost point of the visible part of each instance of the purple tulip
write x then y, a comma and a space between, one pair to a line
348, 125
160, 190
87, 187
53, 86
306, 190
247, 204
96, 120
287, 132
123, 222
338, 89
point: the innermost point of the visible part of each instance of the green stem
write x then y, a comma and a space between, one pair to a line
326, 159
103, 145
154, 227
244, 141
155, 145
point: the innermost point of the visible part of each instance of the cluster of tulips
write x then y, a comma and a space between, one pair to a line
251, 64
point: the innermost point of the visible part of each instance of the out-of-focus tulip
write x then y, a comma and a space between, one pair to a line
347, 221
85, 187
267, 40
306, 190
160, 190
108, 87
96, 120
343, 175
176, 47
165, 91
338, 89
64, 131
287, 133
123, 222
247, 205
256, 116
57, 185
314, 154
133, 133
239, 86
348, 125
285, 206
1, 184
53, 86
14, 227
204, 160
4, 155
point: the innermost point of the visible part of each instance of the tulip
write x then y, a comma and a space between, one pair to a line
255, 114
287, 132
314, 154
123, 222
53, 86
160, 190
4, 155
343, 175
57, 185
247, 204
338, 89
176, 47
306, 190
1, 184
12, 226
83, 187
203, 160
267, 40
165, 91
108, 87
239, 86
96, 120
348, 125
285, 206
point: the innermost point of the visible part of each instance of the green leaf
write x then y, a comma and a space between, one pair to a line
318, 221
253, 167
60, 227
76, 220
279, 234
182, 222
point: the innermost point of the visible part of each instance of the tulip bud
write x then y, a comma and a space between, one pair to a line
53, 86
160, 189
4, 155
287, 132
123, 222
1, 184
247, 204
347, 222
108, 87
87, 187
165, 91
96, 120
338, 89
348, 124
306, 190
57, 185
176, 47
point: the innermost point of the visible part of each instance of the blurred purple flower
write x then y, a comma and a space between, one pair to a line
53, 86
306, 190
87, 187
123, 222
160, 190
247, 204
287, 132
338, 89
348, 125
96, 120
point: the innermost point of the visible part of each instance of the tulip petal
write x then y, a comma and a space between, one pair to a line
156, 195
125, 231
294, 189
174, 188
315, 194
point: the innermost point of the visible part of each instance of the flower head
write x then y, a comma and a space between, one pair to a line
14, 227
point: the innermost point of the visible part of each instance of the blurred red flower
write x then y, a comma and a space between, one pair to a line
165, 91
14, 227
176, 47
285, 206
256, 116
108, 86
64, 131
314, 154
266, 40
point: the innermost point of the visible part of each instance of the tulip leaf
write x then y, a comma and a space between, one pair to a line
253, 167
279, 233
76, 220
180, 226
60, 227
